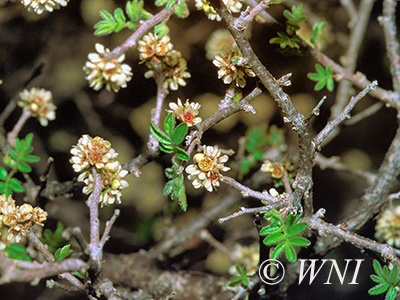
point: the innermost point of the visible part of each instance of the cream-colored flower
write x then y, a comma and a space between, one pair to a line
39, 6
111, 73
19, 219
39, 104
217, 40
248, 256
229, 69
232, 5
113, 182
206, 168
186, 112
97, 152
151, 46
91, 152
388, 226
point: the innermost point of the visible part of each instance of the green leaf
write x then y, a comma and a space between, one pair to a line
170, 4
15, 185
391, 294
393, 274
385, 272
30, 158
378, 289
316, 32
182, 10
23, 167
171, 172
107, 16
299, 241
274, 238
119, 16
330, 84
270, 229
161, 30
278, 250
159, 135
182, 199
169, 188
166, 148
18, 252
169, 124
290, 253
14, 155
181, 154
179, 133
296, 229
62, 253
3, 173
376, 278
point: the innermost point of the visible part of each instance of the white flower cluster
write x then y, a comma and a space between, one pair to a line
187, 112
19, 219
39, 103
388, 226
39, 6
111, 73
206, 168
97, 153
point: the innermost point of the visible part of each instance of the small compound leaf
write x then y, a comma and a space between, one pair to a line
377, 279
13, 154
378, 268
330, 84
320, 85
393, 274
290, 253
62, 253
30, 158
119, 16
18, 252
107, 16
182, 198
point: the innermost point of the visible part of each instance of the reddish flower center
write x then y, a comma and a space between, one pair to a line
214, 175
188, 117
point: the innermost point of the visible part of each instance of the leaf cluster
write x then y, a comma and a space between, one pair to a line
175, 187
241, 279
172, 137
54, 240
17, 159
323, 77
285, 235
181, 10
116, 22
289, 38
387, 281
62, 253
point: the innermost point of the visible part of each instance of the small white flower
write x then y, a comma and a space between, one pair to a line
206, 168
111, 73
39, 104
186, 112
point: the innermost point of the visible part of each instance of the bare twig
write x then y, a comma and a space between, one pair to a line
256, 210
12, 135
109, 224
365, 113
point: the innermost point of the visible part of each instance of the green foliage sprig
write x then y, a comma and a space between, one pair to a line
181, 10
172, 137
17, 160
62, 253
289, 38
175, 187
241, 279
54, 240
324, 77
285, 235
114, 23
316, 33
387, 281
